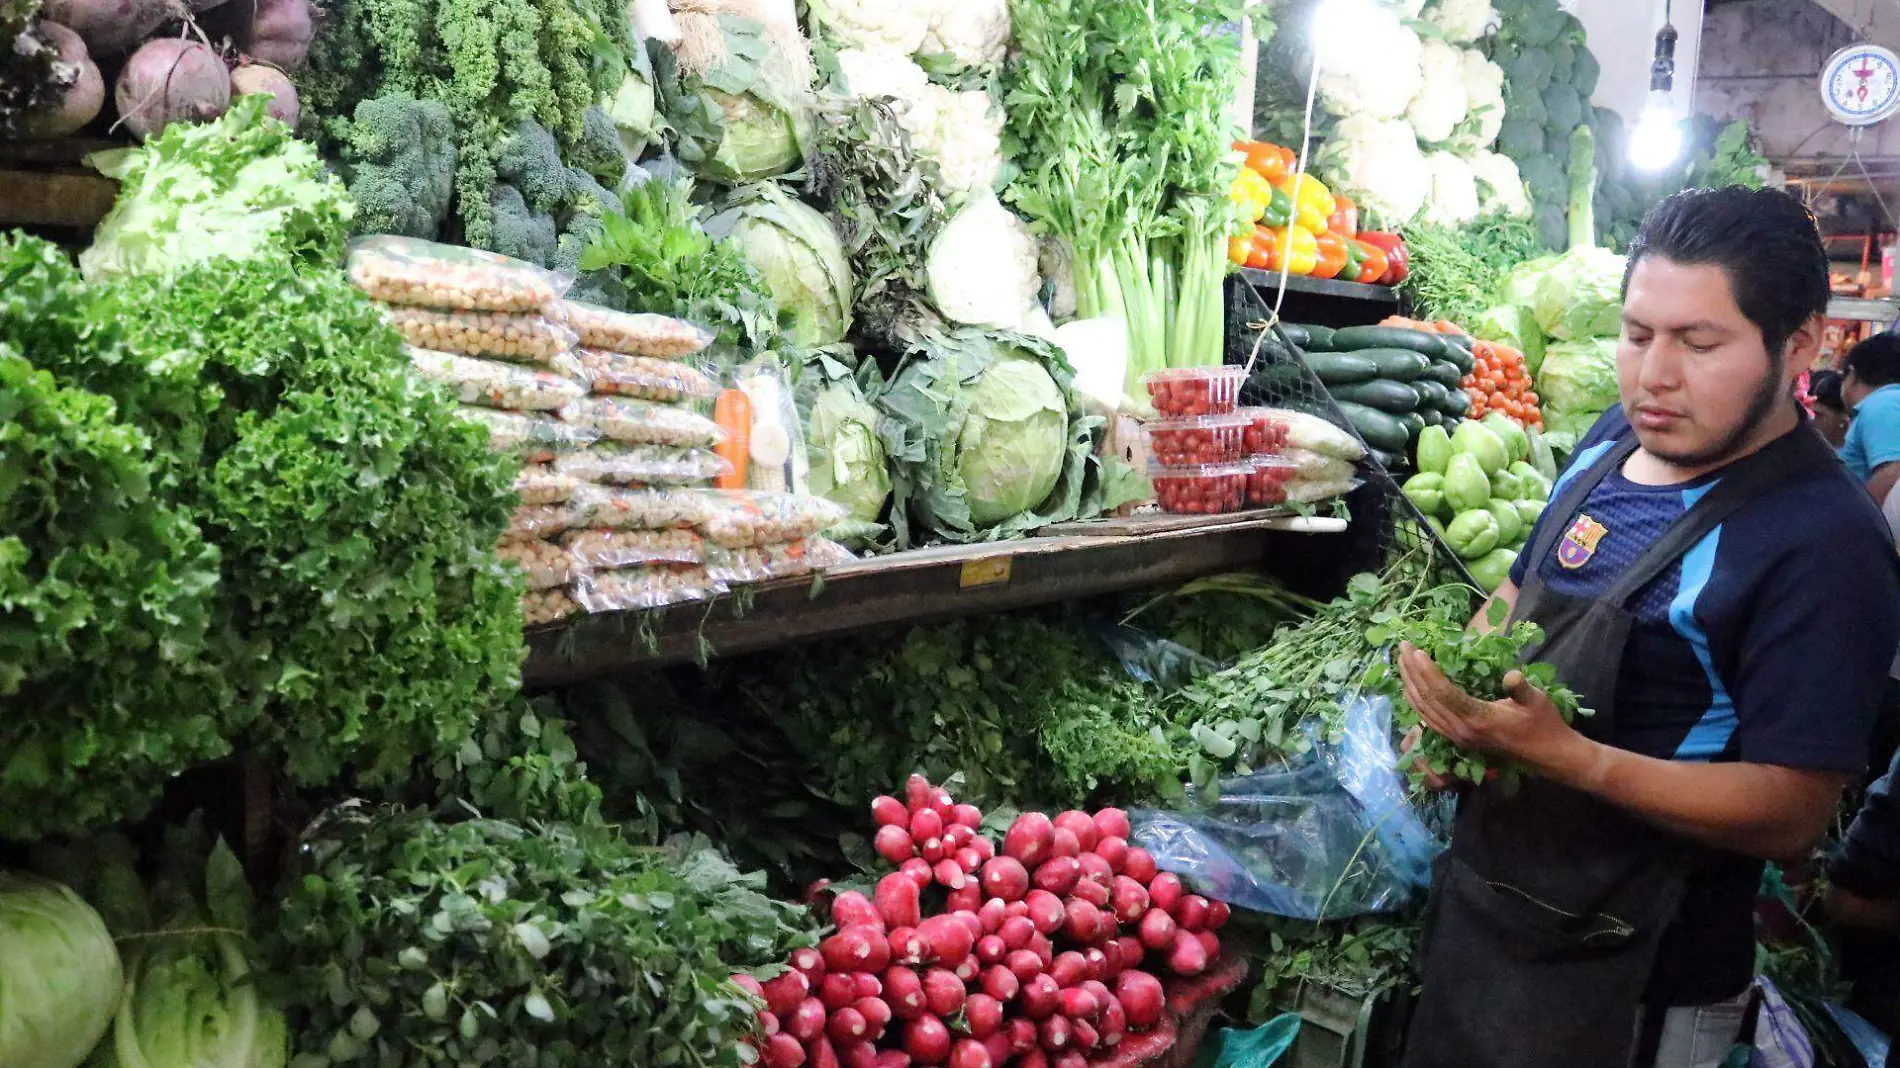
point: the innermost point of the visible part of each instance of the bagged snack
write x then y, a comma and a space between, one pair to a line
646, 587
541, 484
544, 563
535, 522
522, 338
614, 464
764, 563
540, 607
634, 333
492, 384
643, 377
1310, 432
1300, 492
537, 438
1310, 466
775, 443
742, 519
642, 422
427, 274
642, 509
607, 550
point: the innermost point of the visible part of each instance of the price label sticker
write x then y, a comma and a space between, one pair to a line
989, 571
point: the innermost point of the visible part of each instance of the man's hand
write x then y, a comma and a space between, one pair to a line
1432, 780
1525, 726
1848, 909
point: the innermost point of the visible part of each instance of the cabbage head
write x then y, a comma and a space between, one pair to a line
1516, 326
1581, 295
797, 253
1010, 452
764, 94
847, 459
60, 977
1520, 285
1577, 382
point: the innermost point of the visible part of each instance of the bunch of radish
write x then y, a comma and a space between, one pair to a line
969, 957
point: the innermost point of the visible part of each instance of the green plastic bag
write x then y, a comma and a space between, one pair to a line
1261, 1047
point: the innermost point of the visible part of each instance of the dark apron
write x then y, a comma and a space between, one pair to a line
1546, 911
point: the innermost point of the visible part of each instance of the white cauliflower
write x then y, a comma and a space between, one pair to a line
871, 73
1484, 97
1454, 199
1406, 9
1378, 162
975, 32
1347, 87
966, 140
894, 25
1440, 104
1500, 187
1461, 21
982, 268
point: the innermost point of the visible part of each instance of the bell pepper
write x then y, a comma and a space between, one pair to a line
1288, 247
1396, 259
1279, 210
1344, 220
1268, 161
1332, 255
1250, 194
1312, 201
1238, 248
1372, 262
1350, 272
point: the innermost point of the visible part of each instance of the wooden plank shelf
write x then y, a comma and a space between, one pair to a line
47, 184
922, 586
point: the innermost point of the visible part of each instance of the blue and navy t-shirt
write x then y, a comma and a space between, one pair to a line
1873, 438
1769, 641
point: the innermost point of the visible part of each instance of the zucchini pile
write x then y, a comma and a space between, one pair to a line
1390, 382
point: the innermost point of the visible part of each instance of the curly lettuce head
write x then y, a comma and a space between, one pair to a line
847, 459
1578, 380
1014, 440
1581, 295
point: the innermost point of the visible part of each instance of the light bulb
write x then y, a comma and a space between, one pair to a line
1656, 142
1338, 24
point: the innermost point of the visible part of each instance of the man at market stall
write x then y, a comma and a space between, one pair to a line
1600, 915
1871, 390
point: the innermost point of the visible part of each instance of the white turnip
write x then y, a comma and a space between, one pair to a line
277, 32
82, 92
111, 27
171, 80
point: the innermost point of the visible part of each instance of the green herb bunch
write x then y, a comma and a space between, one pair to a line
1357, 958
1457, 272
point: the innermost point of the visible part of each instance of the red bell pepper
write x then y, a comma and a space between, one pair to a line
1344, 220
1398, 261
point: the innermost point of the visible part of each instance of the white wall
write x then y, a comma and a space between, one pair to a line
1623, 39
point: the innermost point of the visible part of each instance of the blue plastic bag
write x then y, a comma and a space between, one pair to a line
1259, 1047
1328, 838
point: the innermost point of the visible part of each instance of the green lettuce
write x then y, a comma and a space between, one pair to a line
1577, 383
1581, 295
60, 973
797, 253
847, 457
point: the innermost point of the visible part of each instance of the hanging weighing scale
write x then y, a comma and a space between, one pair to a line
1860, 84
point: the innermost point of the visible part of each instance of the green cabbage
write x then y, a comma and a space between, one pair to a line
1577, 383
60, 976
847, 459
1010, 452
1581, 295
1516, 326
1520, 286
763, 90
797, 253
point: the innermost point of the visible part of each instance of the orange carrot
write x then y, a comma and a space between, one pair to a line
733, 412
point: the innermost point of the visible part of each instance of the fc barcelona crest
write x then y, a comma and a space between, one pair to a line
1580, 542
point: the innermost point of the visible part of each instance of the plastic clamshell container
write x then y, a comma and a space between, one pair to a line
1207, 439
1203, 489
1185, 392
1268, 478
1265, 432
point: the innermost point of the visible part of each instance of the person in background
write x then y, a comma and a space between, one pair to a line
1863, 893
1830, 411
1871, 390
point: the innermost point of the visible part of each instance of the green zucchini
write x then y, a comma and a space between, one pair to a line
1339, 368
1399, 365
1296, 334
1445, 373
1457, 403
1460, 358
1380, 430
1414, 424
1318, 338
1389, 461
1381, 393
1431, 393
1354, 338
1433, 417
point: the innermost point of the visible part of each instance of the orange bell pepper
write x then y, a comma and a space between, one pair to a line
1268, 161
1332, 255
1344, 220
1372, 263
1237, 250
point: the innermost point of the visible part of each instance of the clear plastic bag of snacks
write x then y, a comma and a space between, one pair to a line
1302, 492
521, 338
614, 464
644, 377
608, 550
427, 274
742, 519
1310, 432
493, 384
541, 484
645, 587
641, 509
1207, 489
536, 438
634, 333
1310, 466
540, 607
764, 563
544, 563
537, 522
643, 422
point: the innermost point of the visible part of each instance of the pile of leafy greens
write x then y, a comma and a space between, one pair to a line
1457, 272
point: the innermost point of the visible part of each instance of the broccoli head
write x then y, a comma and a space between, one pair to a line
399, 154
1584, 73
1563, 61
1563, 110
531, 162
1542, 25
520, 231
1524, 105
599, 152
1530, 72
1520, 140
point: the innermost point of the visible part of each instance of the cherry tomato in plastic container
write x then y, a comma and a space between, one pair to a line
1206, 489
1267, 479
1209, 439
1185, 392
1266, 432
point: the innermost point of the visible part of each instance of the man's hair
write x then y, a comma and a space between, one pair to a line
1875, 361
1763, 239
1825, 385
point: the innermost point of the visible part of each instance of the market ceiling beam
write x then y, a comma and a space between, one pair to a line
1877, 21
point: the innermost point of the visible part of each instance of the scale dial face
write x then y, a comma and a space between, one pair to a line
1860, 84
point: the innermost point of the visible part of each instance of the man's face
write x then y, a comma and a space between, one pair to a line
1694, 376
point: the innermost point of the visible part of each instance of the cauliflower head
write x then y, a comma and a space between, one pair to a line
892, 25
1406, 9
1348, 89
1461, 21
983, 269
1485, 106
1378, 161
966, 140
973, 32
873, 73
1500, 187
1440, 104
1454, 199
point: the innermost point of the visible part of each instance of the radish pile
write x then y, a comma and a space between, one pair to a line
973, 958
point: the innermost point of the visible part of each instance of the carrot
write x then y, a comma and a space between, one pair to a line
733, 412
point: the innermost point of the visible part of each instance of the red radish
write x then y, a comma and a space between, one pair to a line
917, 791
1015, 909
782, 1051
968, 971
1080, 825
1058, 875
967, 816
1034, 1058
1112, 1023
1191, 912
1069, 969
1141, 999
968, 859
857, 1054
897, 901
1039, 996
970, 920
1113, 850
984, 1013
927, 1040
894, 844
868, 985
1165, 892
1046, 911
984, 847
925, 825
1111, 960
1113, 823
906, 947
1055, 1033
851, 908
969, 1053
1022, 1035
749, 985
1044, 949
933, 850
1016, 931
1005, 878
822, 1055
904, 993
1030, 839
943, 992
919, 870
1124, 954
859, 948
876, 1012
1070, 1059
1064, 843
1084, 921
991, 949
847, 1025
1003, 984
809, 961
1098, 962
1217, 914
888, 811
892, 1058
783, 993
992, 914
1023, 964
1157, 930
1086, 1037
1188, 957
1210, 943
808, 1022
949, 874
956, 837
838, 990
1140, 866
1128, 899
1100, 989
943, 805
768, 1023
967, 899
1078, 1004
998, 1046
1096, 869
1092, 892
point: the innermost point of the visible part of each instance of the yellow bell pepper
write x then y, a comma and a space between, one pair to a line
1292, 246
1312, 201
1251, 194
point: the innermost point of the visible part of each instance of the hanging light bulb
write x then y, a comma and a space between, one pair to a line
1656, 142
1338, 24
